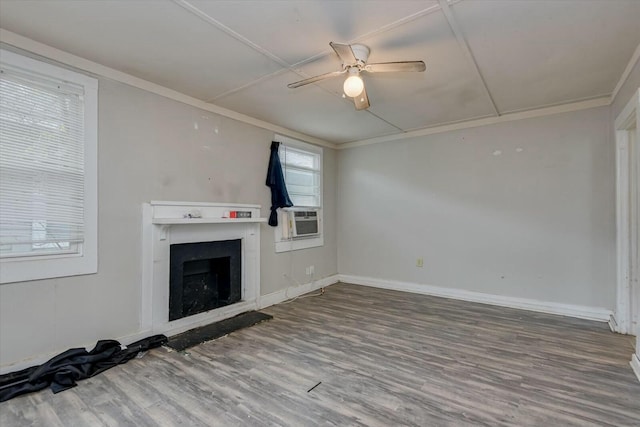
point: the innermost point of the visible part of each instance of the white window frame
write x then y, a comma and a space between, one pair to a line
286, 244
36, 267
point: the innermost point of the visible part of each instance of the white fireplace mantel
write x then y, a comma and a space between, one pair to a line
167, 223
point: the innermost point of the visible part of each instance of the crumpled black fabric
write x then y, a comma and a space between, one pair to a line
62, 371
275, 181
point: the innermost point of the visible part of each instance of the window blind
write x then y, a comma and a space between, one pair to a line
302, 175
41, 164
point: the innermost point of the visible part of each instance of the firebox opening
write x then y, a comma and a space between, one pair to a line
204, 276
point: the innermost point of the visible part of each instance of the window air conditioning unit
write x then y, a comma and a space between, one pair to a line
304, 223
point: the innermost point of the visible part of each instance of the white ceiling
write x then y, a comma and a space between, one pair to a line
484, 58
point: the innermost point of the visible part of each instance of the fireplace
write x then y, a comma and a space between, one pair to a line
216, 277
204, 276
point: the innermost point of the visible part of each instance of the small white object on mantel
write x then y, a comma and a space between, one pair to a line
165, 223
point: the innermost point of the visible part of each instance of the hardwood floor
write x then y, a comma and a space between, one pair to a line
382, 358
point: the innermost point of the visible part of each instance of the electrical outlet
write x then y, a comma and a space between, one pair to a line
420, 262
312, 270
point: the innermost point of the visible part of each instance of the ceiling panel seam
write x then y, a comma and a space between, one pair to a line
384, 120
219, 25
462, 41
249, 84
212, 21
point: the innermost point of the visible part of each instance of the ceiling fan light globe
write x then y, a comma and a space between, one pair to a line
353, 86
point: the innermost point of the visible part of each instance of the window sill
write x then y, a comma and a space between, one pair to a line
47, 267
297, 244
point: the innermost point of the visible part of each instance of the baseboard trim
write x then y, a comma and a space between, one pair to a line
635, 365
262, 302
613, 323
578, 311
295, 291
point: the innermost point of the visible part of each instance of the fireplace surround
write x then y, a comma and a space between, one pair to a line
169, 225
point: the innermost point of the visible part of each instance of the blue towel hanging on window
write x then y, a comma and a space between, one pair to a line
275, 181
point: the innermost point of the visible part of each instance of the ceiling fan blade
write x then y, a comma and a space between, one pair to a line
389, 67
344, 52
315, 79
362, 100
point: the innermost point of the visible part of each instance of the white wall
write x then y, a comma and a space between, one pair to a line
150, 149
536, 221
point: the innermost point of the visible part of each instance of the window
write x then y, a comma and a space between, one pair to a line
48, 191
302, 169
302, 175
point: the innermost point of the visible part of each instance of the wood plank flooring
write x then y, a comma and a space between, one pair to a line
382, 358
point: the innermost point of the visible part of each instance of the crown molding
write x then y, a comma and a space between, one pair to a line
507, 117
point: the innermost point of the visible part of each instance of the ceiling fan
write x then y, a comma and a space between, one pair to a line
354, 61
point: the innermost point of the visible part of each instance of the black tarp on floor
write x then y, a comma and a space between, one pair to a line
61, 372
